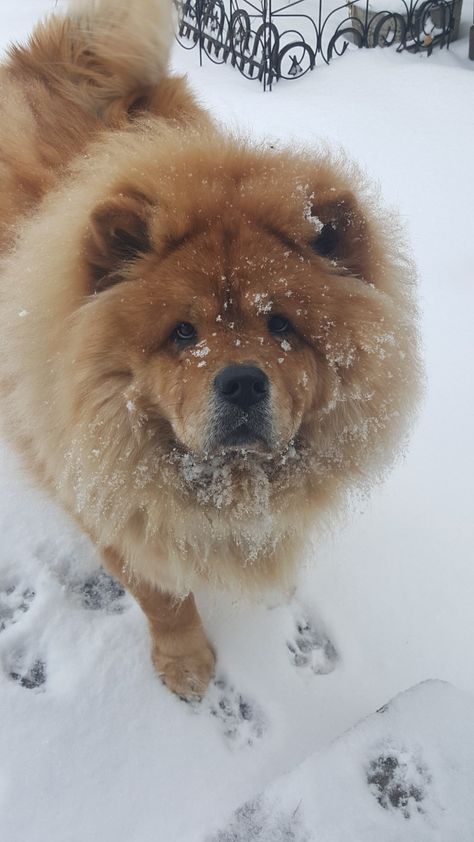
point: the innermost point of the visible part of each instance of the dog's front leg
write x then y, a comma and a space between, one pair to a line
181, 652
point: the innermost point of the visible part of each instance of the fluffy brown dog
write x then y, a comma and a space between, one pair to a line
205, 343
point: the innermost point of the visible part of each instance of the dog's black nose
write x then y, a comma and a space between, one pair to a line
242, 385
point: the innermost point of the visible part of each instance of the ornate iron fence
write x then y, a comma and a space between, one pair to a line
268, 41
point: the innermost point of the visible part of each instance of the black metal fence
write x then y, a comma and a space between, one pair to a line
267, 41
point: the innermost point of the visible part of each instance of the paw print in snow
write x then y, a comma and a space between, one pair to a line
100, 592
399, 782
32, 678
312, 648
26, 669
257, 821
241, 719
15, 600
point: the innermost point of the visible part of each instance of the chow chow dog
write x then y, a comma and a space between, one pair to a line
206, 343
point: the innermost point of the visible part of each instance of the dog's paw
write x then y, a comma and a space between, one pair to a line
15, 600
311, 647
241, 719
186, 675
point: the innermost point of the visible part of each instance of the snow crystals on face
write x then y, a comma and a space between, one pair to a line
387, 340
308, 207
213, 479
137, 416
304, 380
201, 349
285, 345
243, 484
262, 302
340, 355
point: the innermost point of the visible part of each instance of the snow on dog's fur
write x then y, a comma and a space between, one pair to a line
127, 214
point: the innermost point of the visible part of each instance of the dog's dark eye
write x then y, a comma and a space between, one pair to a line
184, 332
278, 324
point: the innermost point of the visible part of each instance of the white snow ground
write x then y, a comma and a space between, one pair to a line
92, 747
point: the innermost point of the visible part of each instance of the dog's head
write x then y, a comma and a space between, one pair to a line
242, 301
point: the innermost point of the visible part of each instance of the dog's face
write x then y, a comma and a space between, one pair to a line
239, 320
227, 367
215, 340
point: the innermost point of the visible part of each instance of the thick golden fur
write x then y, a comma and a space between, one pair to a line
124, 212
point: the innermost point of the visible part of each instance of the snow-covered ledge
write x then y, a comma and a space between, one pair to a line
404, 774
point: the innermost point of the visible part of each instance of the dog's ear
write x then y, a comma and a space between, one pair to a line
342, 234
118, 235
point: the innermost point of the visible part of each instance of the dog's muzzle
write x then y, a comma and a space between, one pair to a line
241, 407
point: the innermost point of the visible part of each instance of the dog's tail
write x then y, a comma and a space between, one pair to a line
103, 54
